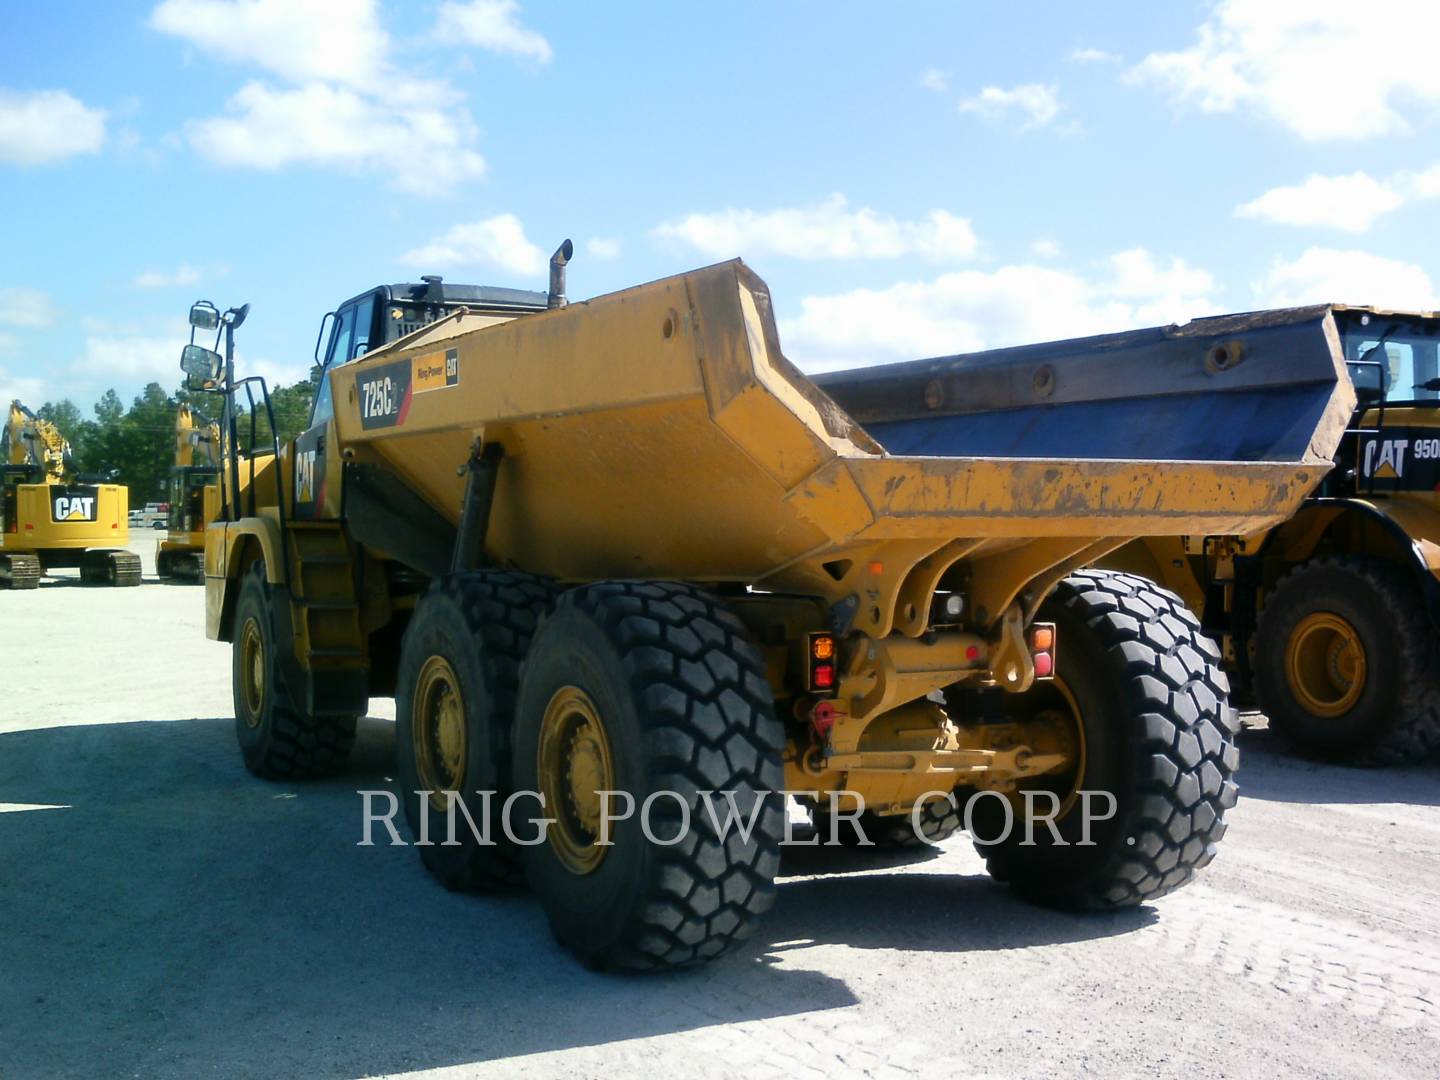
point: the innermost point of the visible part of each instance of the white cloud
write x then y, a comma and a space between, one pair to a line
970, 310
826, 230
1045, 249
1094, 56
1326, 275
41, 127
1322, 68
492, 25
418, 149
329, 40
24, 388
935, 79
134, 357
498, 242
1348, 203
26, 307
1036, 105
184, 274
1425, 184
603, 248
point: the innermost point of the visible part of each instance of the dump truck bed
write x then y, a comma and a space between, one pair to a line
661, 432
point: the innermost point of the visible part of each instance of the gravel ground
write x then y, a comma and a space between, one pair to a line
165, 914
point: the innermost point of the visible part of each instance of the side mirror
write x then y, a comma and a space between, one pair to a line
201, 366
1368, 378
204, 316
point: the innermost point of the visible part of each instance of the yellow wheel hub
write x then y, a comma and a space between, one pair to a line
574, 765
438, 733
252, 671
1047, 719
1325, 664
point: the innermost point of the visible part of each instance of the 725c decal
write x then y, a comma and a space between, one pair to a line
384, 395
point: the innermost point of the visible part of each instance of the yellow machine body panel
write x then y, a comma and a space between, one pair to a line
660, 432
56, 517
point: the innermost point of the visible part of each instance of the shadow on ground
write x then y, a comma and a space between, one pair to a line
1272, 771
172, 916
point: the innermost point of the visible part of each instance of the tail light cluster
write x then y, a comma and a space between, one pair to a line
1042, 649
822, 664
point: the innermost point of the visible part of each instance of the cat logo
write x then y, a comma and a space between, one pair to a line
305, 476
74, 508
1391, 462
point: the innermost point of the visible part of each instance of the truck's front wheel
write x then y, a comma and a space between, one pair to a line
1153, 743
277, 740
652, 690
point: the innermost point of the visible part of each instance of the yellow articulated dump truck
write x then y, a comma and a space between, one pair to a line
630, 576
194, 496
1330, 621
50, 518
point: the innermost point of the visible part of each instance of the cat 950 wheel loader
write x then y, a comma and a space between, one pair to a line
629, 575
48, 518
1330, 621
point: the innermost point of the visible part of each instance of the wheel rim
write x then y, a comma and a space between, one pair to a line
1325, 664
1053, 724
439, 735
252, 671
575, 765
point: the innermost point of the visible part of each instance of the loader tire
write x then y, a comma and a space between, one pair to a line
277, 740
1346, 666
939, 820
454, 719
650, 688
1158, 733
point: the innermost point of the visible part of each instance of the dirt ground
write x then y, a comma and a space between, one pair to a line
167, 915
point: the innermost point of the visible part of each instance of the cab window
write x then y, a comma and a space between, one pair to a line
349, 339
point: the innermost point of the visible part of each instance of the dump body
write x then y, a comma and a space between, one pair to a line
660, 432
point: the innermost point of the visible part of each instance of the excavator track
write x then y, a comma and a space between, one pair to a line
116, 568
19, 572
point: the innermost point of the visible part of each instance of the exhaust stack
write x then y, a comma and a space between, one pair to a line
558, 261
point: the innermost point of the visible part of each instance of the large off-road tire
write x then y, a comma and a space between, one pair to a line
939, 820
277, 740
454, 719
1346, 664
648, 688
1157, 732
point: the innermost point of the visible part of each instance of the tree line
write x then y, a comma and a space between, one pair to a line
135, 446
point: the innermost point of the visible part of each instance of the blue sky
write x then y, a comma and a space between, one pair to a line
911, 180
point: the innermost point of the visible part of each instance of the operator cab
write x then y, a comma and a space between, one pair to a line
1392, 356
388, 312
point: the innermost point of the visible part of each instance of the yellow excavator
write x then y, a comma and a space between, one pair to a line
194, 496
48, 518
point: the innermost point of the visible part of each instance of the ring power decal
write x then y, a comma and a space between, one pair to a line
436, 371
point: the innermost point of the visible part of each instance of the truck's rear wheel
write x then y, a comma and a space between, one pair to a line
277, 740
649, 689
454, 715
1345, 663
1148, 705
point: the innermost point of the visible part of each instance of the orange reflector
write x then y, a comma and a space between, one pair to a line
877, 568
1042, 638
822, 647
